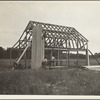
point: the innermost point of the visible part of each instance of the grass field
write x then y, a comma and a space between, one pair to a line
69, 81
50, 82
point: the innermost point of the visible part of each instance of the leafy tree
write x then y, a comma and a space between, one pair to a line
2, 51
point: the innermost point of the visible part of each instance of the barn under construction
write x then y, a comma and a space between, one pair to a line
45, 40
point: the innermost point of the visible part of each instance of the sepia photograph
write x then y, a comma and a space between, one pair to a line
50, 48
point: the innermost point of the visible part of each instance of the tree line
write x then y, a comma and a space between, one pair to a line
5, 54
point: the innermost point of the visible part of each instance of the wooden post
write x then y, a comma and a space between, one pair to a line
51, 55
51, 58
77, 58
77, 51
87, 56
37, 47
58, 58
66, 54
68, 58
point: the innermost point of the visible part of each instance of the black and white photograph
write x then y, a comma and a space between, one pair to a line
50, 48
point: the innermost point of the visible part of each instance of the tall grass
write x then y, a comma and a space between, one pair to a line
68, 81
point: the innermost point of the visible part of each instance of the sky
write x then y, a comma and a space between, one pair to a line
84, 16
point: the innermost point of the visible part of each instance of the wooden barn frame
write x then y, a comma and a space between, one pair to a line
44, 37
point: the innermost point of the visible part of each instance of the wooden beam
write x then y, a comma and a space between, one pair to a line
69, 49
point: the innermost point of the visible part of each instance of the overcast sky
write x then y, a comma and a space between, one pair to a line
83, 15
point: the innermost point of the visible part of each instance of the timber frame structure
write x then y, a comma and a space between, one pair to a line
45, 37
